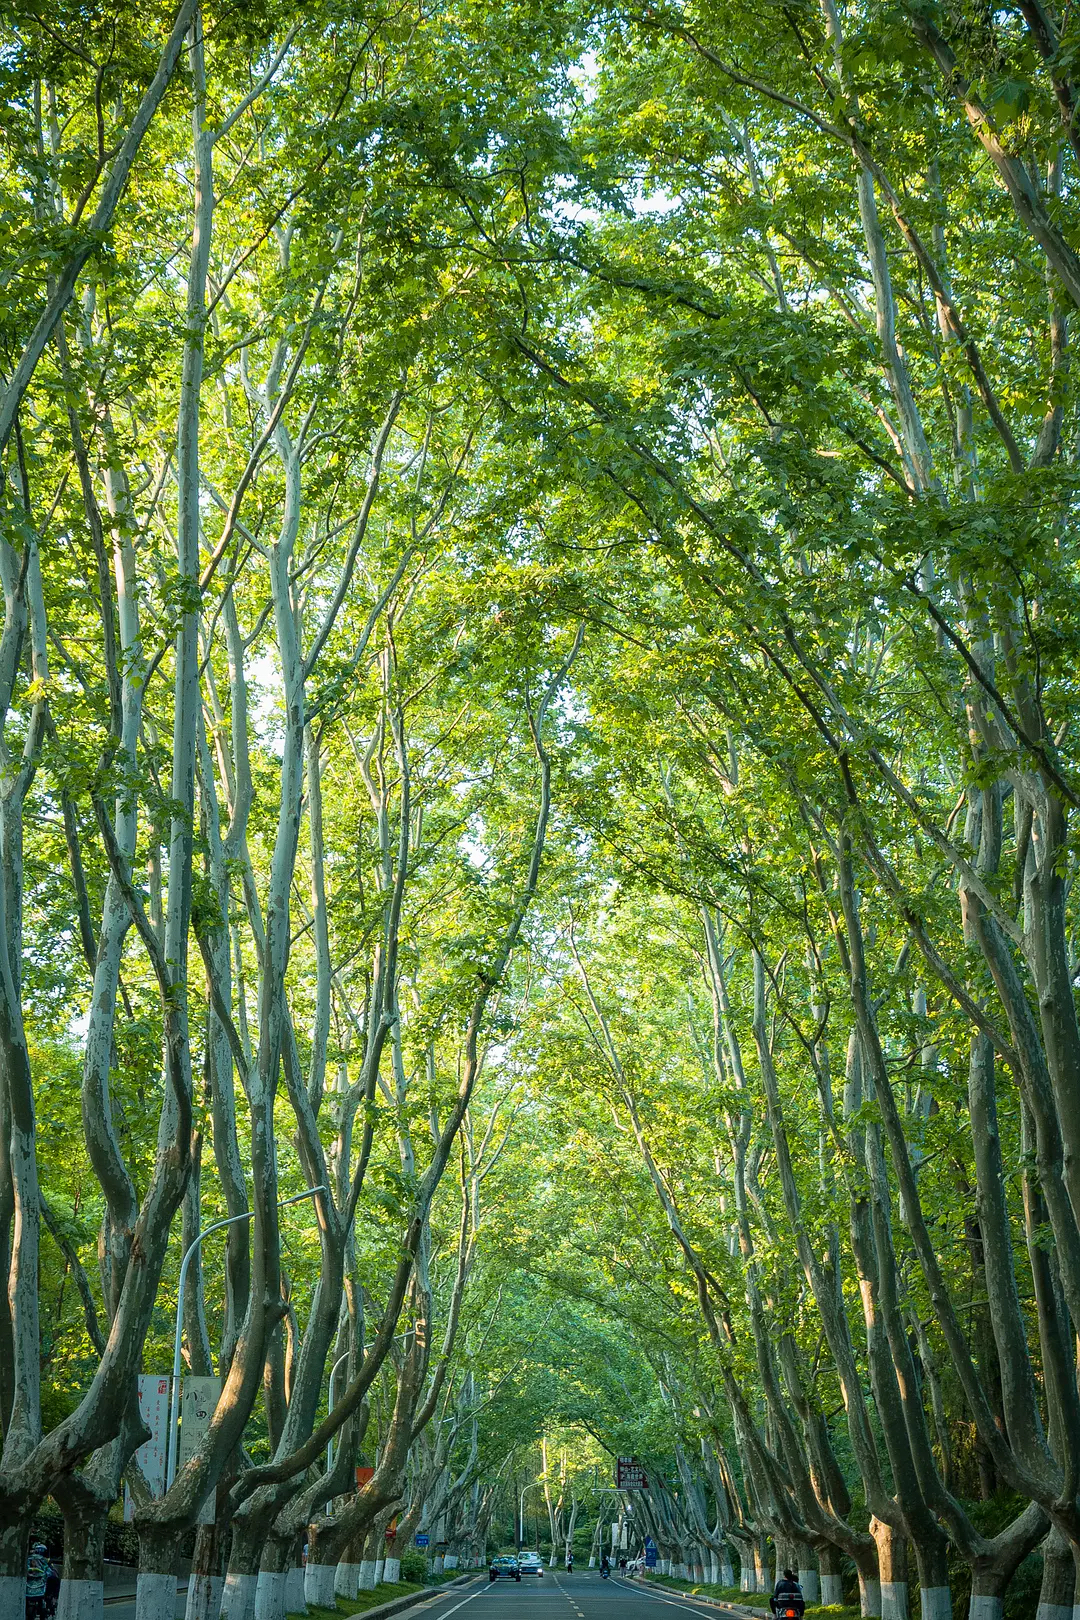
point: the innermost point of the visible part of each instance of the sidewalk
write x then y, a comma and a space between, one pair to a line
124, 1591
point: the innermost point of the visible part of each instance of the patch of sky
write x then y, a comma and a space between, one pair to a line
265, 692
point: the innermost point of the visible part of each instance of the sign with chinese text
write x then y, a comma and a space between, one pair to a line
154, 1411
198, 1398
630, 1475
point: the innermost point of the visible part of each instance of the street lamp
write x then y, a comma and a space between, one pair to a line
330, 1407
174, 1399
330, 1397
521, 1511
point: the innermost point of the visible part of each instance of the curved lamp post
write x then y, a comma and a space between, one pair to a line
330, 1399
330, 1407
521, 1511
174, 1398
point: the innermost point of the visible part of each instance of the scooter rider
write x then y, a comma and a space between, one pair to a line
787, 1599
605, 1567
42, 1582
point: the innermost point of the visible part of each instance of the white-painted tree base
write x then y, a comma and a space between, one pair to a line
204, 1597
347, 1580
237, 1597
982, 1607
319, 1585
155, 1595
811, 1587
392, 1572
935, 1603
13, 1596
83, 1600
270, 1594
450, 1561
1055, 1611
380, 1565
295, 1602
894, 1600
437, 1564
832, 1590
727, 1576
869, 1599
366, 1582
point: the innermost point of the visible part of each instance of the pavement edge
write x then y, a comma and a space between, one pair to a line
713, 1603
412, 1600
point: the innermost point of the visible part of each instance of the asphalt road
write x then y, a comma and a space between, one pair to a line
557, 1597
551, 1597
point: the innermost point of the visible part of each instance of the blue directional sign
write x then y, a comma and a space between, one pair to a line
422, 1540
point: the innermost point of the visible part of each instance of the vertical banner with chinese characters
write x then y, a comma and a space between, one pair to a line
154, 1411
198, 1398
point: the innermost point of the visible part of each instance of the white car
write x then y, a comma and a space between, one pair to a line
530, 1563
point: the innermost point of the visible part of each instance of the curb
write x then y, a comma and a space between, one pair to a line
412, 1600
714, 1603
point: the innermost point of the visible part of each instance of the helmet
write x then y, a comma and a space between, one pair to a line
40, 1548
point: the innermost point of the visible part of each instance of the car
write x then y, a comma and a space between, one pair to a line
504, 1568
531, 1563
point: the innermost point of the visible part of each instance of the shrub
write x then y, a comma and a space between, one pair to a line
413, 1566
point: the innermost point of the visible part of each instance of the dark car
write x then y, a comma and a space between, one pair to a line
504, 1567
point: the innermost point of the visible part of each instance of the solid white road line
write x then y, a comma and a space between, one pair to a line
447, 1612
436, 1597
672, 1603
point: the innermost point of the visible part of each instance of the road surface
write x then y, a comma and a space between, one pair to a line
558, 1597
552, 1597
